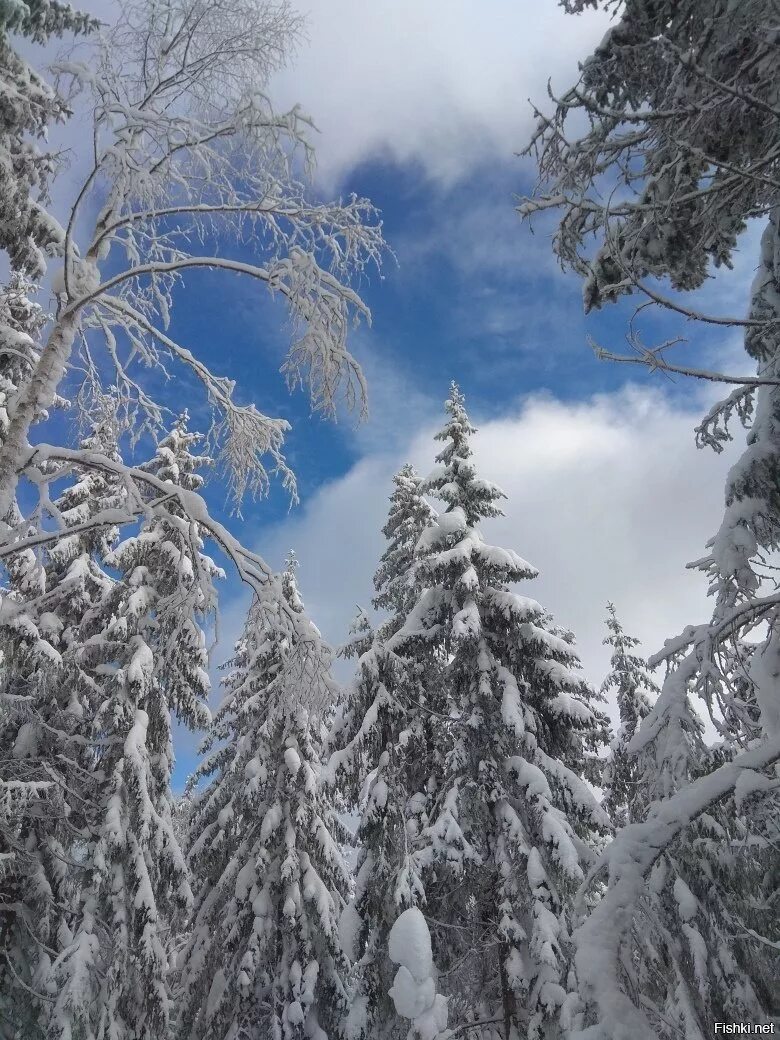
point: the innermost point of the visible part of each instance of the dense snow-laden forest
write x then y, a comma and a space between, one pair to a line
453, 843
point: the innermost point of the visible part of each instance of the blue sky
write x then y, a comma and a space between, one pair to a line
422, 108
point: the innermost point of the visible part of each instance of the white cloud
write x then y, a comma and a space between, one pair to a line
608, 497
444, 83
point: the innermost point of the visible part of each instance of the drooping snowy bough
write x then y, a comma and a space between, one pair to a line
192, 168
680, 149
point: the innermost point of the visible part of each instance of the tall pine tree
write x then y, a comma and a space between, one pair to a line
409, 515
264, 960
46, 734
630, 681
507, 828
141, 654
382, 741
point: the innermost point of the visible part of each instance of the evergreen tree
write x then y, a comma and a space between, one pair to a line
141, 655
382, 742
361, 636
264, 960
46, 735
27, 231
510, 819
671, 116
688, 963
631, 682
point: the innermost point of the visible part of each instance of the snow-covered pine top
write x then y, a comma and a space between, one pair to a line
260, 685
174, 460
76, 578
464, 599
92, 486
360, 638
668, 744
455, 481
289, 583
166, 590
630, 681
629, 676
408, 516
254, 698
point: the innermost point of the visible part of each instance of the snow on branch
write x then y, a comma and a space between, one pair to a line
146, 496
193, 168
601, 937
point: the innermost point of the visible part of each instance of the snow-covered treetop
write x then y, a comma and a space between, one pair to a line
408, 516
276, 668
629, 675
630, 681
455, 481
360, 637
174, 461
290, 583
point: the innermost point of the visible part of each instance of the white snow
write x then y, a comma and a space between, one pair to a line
414, 987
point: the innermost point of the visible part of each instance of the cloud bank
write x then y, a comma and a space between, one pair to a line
443, 84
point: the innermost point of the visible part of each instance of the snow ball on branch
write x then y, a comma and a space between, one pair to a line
414, 987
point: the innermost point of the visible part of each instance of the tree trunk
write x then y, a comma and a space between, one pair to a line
507, 996
37, 395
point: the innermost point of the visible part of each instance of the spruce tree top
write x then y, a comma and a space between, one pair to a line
455, 481
408, 516
289, 582
174, 460
629, 675
453, 542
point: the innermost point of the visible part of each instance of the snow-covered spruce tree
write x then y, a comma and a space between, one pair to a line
381, 744
680, 105
27, 231
46, 732
28, 795
141, 657
630, 682
508, 825
264, 959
